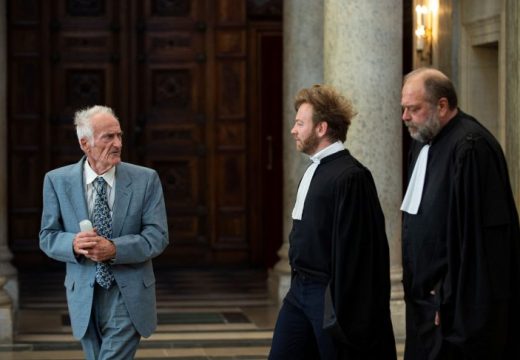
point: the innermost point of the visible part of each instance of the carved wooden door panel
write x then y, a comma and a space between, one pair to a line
229, 183
62, 56
175, 73
85, 67
170, 130
189, 111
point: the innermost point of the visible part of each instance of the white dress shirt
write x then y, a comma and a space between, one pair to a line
89, 176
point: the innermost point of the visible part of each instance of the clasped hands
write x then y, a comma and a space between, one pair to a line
92, 246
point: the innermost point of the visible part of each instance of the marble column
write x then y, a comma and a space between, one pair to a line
512, 69
6, 269
303, 67
8, 279
363, 60
6, 315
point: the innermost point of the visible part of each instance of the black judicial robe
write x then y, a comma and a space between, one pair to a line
464, 244
341, 237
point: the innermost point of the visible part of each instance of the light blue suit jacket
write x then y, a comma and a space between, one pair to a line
139, 232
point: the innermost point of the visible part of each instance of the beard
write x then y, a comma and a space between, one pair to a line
427, 131
308, 145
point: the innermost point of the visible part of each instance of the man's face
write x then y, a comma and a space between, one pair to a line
419, 116
304, 131
105, 150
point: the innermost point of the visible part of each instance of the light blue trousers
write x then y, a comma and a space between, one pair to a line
110, 334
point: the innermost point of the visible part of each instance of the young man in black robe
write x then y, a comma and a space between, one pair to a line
338, 303
461, 236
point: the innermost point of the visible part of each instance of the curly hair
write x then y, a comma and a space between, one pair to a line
329, 106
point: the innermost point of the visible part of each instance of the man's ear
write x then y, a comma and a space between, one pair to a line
84, 145
321, 128
444, 107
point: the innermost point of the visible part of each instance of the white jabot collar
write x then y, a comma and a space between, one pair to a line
329, 150
413, 196
309, 173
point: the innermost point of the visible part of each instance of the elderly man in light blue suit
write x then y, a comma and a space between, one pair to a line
110, 315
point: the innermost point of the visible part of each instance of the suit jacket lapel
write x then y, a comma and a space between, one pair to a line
122, 199
75, 189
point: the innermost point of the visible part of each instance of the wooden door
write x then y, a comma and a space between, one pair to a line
170, 110
266, 55
175, 72
62, 56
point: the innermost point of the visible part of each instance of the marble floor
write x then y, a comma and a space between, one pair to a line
203, 315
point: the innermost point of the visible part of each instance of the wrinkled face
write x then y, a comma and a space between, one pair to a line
304, 131
104, 151
420, 117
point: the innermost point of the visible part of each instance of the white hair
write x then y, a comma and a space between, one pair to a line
83, 123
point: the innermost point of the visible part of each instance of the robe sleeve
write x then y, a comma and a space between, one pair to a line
360, 284
482, 232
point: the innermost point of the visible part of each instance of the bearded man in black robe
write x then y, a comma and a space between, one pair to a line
461, 241
338, 303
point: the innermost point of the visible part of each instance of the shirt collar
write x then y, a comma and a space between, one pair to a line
329, 150
90, 175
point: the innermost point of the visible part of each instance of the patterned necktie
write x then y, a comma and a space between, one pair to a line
103, 224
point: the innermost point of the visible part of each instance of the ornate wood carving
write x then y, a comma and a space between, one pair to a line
172, 89
24, 11
231, 89
265, 9
84, 88
85, 7
177, 8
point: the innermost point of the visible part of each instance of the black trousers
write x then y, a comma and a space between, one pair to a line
299, 334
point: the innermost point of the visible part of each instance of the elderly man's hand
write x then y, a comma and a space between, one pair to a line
104, 250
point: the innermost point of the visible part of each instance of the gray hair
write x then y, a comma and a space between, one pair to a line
82, 120
436, 85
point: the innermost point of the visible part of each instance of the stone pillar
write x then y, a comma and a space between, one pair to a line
512, 102
6, 315
363, 60
303, 67
6, 269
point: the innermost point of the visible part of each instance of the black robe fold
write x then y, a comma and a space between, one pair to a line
342, 236
464, 243
361, 281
